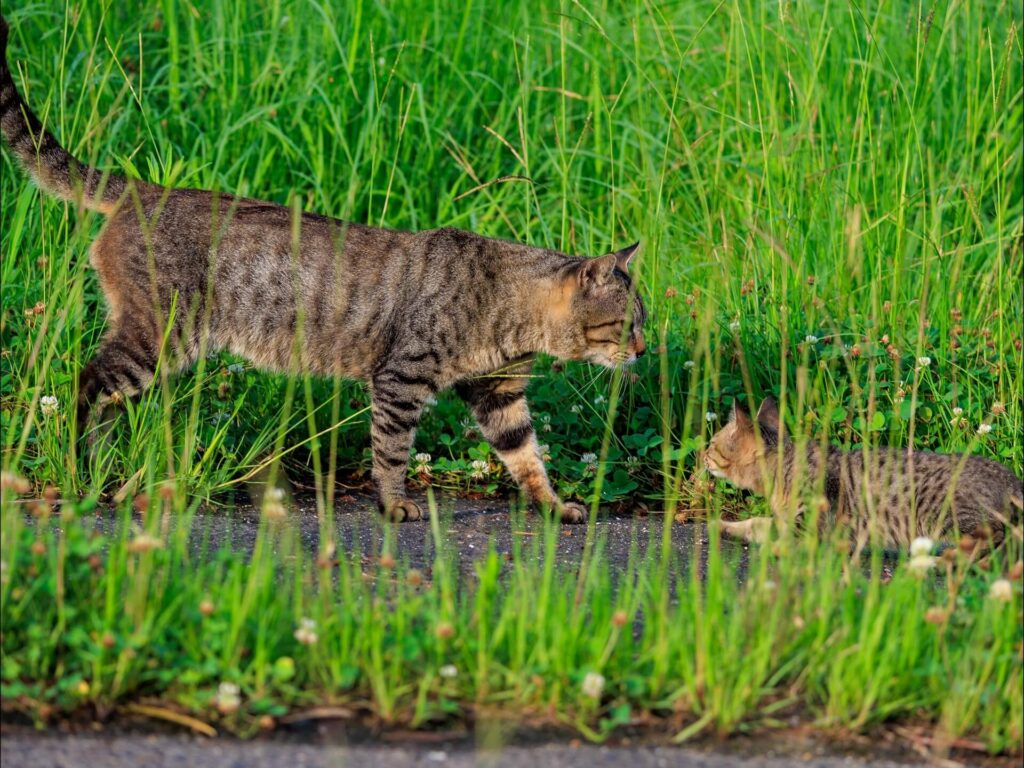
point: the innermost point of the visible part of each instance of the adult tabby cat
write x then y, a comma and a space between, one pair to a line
887, 495
408, 313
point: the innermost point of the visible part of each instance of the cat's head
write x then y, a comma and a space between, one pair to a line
600, 315
736, 453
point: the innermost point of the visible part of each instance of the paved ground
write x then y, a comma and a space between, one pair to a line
467, 528
20, 748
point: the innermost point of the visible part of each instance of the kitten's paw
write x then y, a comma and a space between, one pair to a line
403, 511
754, 529
572, 513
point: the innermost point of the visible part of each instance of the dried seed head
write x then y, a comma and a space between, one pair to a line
936, 615
40, 509
141, 503
967, 544
620, 618
414, 578
387, 562
444, 630
13, 482
206, 607
167, 490
1017, 570
38, 548
52, 494
108, 640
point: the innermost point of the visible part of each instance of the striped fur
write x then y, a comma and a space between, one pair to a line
885, 496
408, 313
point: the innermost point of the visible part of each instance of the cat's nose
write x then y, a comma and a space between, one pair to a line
639, 345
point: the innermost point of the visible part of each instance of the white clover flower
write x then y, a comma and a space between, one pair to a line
689, 364
599, 400
144, 542
545, 422
545, 451
958, 411
422, 458
710, 416
236, 368
632, 463
921, 546
924, 361
590, 459
734, 326
430, 402
576, 408
273, 504
479, 469
228, 698
920, 565
448, 672
593, 685
49, 405
984, 429
810, 338
1001, 591
306, 632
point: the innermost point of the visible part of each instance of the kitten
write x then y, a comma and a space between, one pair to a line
892, 494
408, 313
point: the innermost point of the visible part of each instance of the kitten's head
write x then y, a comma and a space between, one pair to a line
736, 454
600, 315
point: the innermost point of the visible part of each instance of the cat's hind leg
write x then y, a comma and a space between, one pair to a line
397, 399
123, 367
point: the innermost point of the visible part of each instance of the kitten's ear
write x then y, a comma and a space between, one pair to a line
625, 256
768, 416
739, 416
597, 271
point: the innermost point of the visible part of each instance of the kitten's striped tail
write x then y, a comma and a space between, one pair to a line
42, 156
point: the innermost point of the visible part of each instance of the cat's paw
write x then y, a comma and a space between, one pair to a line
402, 511
754, 529
573, 513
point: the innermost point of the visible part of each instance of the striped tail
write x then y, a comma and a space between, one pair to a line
42, 156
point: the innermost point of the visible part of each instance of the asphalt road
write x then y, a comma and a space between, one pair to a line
20, 748
468, 528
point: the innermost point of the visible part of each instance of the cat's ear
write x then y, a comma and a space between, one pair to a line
597, 271
625, 256
768, 416
739, 416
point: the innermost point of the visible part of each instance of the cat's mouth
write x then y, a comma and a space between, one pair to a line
712, 466
614, 360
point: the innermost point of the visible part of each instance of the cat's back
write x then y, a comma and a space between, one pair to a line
931, 478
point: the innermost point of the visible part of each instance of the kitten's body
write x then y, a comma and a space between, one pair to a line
884, 495
408, 313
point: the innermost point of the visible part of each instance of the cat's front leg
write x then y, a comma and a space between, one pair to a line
499, 405
753, 529
396, 404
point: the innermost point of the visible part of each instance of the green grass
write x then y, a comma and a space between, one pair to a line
826, 193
